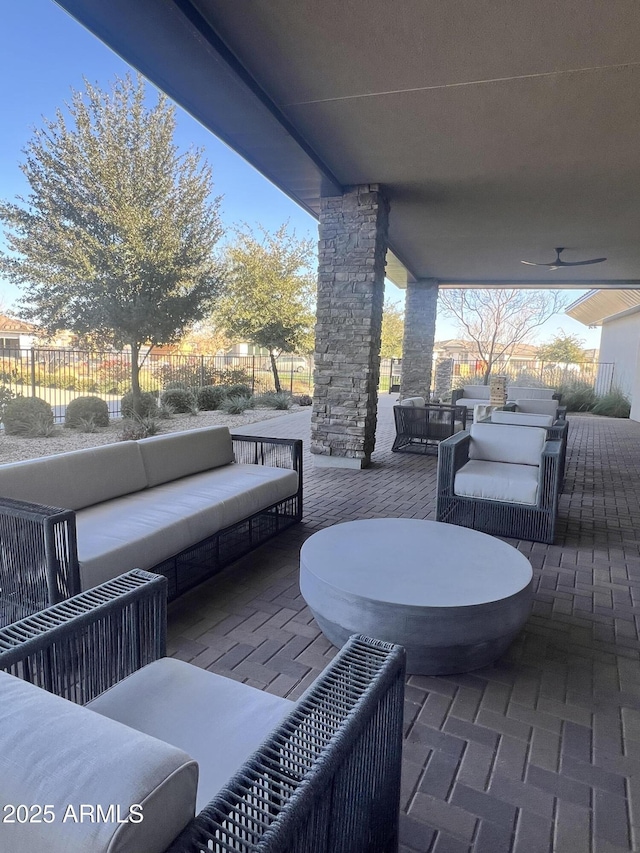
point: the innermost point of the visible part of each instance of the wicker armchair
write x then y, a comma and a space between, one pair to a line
419, 429
327, 777
531, 516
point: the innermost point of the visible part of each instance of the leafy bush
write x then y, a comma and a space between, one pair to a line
305, 400
239, 389
135, 428
81, 409
231, 376
236, 405
165, 411
615, 404
210, 397
30, 416
177, 384
148, 405
578, 396
6, 394
276, 401
181, 400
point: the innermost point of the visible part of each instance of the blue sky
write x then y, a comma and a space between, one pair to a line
44, 54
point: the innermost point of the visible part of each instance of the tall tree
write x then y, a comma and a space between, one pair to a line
116, 238
563, 348
392, 330
270, 292
496, 320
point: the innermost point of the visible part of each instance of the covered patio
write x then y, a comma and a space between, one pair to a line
539, 752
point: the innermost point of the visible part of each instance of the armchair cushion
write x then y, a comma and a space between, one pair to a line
498, 481
413, 401
99, 762
477, 392
516, 391
510, 444
521, 419
218, 721
538, 407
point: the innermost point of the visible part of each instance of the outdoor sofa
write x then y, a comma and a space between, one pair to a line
501, 479
474, 395
183, 505
208, 763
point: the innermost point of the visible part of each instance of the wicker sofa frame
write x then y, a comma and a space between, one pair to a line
327, 780
419, 429
499, 518
38, 546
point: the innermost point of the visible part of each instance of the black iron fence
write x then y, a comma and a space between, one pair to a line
599, 375
60, 375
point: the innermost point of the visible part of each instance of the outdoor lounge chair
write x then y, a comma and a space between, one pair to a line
503, 480
320, 775
420, 428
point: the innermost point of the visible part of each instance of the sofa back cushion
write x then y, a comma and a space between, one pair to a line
77, 479
521, 419
63, 755
515, 391
538, 407
169, 457
477, 392
502, 443
413, 402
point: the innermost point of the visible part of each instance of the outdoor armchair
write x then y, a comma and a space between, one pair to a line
91, 712
502, 480
420, 428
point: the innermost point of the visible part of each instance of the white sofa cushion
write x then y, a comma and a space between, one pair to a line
169, 457
502, 443
470, 402
538, 407
498, 481
76, 479
515, 391
413, 401
56, 753
521, 419
218, 721
477, 392
145, 528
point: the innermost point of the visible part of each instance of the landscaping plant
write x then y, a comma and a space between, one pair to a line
30, 416
84, 409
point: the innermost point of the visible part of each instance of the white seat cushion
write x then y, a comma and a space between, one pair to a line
519, 391
143, 529
538, 407
521, 419
502, 443
218, 721
413, 402
53, 752
498, 481
477, 392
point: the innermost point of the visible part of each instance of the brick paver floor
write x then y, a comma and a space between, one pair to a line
539, 752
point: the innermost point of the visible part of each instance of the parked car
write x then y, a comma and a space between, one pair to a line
295, 363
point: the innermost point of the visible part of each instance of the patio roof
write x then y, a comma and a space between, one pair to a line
594, 308
498, 131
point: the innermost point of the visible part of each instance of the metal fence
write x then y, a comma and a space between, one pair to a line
60, 375
598, 375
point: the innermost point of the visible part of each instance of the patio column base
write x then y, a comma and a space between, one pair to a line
338, 462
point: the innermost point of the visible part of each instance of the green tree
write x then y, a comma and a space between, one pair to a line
270, 292
392, 330
499, 318
563, 348
116, 238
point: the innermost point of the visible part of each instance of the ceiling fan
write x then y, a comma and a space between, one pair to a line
558, 263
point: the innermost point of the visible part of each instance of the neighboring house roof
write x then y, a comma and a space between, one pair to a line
454, 345
11, 324
599, 305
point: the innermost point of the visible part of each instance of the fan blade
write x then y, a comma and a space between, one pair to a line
580, 263
532, 264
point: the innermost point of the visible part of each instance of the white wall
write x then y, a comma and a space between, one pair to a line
620, 344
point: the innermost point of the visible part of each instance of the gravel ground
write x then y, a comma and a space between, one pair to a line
14, 448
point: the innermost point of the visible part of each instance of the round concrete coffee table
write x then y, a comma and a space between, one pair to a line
453, 597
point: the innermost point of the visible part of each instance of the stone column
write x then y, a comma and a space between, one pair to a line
351, 261
421, 302
444, 379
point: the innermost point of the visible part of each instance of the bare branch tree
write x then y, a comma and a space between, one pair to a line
496, 320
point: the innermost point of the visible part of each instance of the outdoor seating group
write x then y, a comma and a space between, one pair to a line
183, 505
179, 759
471, 396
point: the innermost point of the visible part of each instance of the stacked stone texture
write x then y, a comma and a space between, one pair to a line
421, 303
444, 379
351, 263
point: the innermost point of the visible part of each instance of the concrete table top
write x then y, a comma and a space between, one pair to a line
454, 597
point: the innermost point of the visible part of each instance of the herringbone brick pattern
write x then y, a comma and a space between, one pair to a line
539, 752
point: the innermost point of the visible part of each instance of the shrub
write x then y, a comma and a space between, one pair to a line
30, 416
240, 389
6, 394
236, 405
305, 400
210, 397
181, 400
135, 428
578, 396
170, 386
84, 409
615, 404
165, 411
276, 401
148, 404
